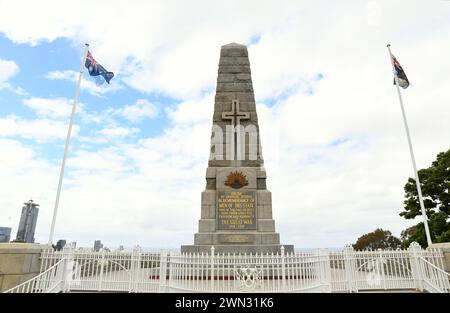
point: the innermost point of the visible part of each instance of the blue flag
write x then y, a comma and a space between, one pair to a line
97, 70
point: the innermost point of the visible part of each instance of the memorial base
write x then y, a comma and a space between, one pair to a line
237, 249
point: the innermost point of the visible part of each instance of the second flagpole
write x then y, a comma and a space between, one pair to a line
413, 159
66, 147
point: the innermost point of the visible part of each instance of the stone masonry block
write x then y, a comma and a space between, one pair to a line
208, 211
206, 225
235, 87
203, 239
236, 51
261, 183
261, 172
211, 172
264, 211
211, 184
264, 197
209, 197
268, 211
226, 97
234, 69
219, 163
245, 96
270, 238
252, 163
243, 77
266, 225
232, 60
15, 263
224, 78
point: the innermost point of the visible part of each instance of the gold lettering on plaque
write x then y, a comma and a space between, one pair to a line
236, 210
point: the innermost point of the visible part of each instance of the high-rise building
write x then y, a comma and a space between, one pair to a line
98, 245
27, 224
5, 234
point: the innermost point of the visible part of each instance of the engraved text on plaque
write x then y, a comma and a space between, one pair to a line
236, 210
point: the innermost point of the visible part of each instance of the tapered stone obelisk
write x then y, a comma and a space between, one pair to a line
236, 212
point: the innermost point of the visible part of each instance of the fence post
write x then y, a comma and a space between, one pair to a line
163, 271
102, 262
415, 250
66, 272
135, 267
380, 265
283, 270
212, 268
350, 267
325, 266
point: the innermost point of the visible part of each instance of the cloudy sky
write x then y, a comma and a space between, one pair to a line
333, 140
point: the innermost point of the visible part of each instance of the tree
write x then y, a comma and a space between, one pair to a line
435, 184
378, 239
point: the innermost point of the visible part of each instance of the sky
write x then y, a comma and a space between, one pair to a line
333, 139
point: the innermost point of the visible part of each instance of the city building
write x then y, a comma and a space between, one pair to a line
27, 224
5, 234
98, 245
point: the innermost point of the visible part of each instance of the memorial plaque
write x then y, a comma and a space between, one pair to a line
237, 238
236, 210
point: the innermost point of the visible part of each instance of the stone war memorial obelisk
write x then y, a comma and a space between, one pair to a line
236, 211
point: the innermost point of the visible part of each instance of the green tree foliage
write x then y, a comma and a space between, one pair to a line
435, 184
378, 239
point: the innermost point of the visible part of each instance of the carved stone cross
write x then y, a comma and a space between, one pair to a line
236, 116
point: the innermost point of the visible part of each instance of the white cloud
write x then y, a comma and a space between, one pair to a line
335, 149
138, 111
42, 130
86, 83
53, 108
179, 61
193, 111
117, 131
7, 70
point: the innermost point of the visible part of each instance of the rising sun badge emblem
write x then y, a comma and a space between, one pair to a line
236, 180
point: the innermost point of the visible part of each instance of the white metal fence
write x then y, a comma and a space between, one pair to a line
316, 271
388, 269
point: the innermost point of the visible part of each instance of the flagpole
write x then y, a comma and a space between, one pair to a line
413, 159
66, 147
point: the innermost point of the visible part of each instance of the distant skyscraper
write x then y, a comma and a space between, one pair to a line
60, 244
97, 245
5, 234
27, 224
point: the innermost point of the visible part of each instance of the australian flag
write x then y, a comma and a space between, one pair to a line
97, 70
401, 76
